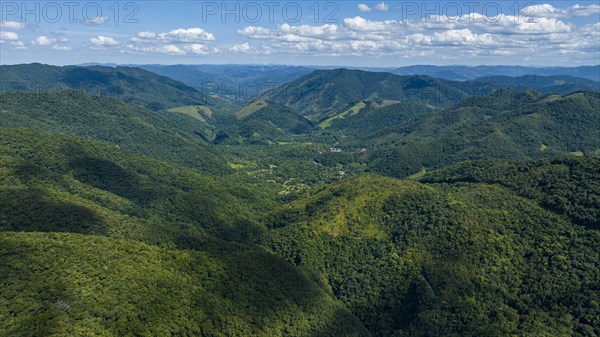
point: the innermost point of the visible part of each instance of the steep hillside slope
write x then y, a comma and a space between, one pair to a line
262, 122
132, 272
163, 135
375, 119
57, 183
76, 285
410, 259
568, 186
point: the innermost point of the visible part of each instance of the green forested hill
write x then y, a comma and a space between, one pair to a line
410, 259
81, 285
401, 138
57, 183
262, 122
379, 119
507, 124
322, 93
129, 84
67, 284
274, 118
167, 136
568, 186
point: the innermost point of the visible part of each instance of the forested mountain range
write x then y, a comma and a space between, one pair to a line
506, 124
230, 79
323, 93
263, 121
545, 84
341, 203
474, 72
326, 92
366, 256
446, 259
239, 73
129, 84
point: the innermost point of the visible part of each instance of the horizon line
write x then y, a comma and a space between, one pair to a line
293, 65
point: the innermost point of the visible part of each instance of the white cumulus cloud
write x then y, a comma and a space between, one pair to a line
467, 35
364, 8
8, 37
543, 10
55, 43
460, 37
43, 41
104, 41
12, 39
196, 48
145, 35
12, 25
360, 24
382, 7
170, 49
550, 11
181, 41
247, 48
579, 10
150, 49
188, 35
180, 35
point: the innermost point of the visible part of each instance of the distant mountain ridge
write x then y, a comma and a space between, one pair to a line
559, 84
132, 85
473, 72
322, 93
239, 83
449, 72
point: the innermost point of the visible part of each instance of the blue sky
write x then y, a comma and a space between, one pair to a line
345, 33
